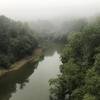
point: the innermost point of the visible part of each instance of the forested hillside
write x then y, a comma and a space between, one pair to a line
53, 31
80, 70
16, 41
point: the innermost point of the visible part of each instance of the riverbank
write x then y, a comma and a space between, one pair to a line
35, 57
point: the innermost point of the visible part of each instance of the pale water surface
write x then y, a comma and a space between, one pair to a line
30, 83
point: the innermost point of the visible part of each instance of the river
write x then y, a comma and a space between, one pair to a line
31, 81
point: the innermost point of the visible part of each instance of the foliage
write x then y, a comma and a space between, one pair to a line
16, 41
80, 69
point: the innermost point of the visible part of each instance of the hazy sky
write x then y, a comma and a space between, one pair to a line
48, 9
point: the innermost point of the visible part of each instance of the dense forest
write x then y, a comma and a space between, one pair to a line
79, 77
47, 31
49, 49
16, 41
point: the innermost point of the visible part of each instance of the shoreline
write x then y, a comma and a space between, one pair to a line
35, 57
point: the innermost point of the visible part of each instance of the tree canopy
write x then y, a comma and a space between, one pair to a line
80, 69
16, 41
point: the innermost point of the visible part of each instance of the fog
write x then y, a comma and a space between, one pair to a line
28, 10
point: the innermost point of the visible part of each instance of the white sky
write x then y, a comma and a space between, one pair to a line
47, 9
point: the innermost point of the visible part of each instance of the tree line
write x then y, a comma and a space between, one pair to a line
16, 41
80, 70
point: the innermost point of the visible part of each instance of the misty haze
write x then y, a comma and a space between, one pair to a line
50, 50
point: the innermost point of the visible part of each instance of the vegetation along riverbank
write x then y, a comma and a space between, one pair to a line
34, 58
17, 44
80, 70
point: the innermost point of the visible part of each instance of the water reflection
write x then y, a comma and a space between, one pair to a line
28, 83
52, 47
9, 82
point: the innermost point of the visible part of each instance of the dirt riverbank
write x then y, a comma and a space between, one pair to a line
35, 57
